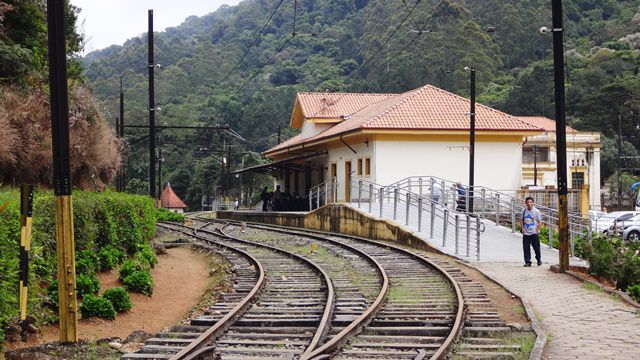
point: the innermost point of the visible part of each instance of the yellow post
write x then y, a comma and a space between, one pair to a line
584, 200
66, 269
26, 202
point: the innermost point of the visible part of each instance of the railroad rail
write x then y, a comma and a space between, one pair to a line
484, 334
295, 302
421, 319
329, 295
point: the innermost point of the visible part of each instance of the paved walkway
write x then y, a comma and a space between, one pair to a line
497, 243
580, 323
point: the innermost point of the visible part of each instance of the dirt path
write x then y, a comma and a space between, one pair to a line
181, 277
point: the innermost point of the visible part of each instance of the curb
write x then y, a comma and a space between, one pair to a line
622, 295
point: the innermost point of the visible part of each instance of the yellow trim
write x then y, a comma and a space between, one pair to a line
324, 120
409, 135
296, 116
68, 304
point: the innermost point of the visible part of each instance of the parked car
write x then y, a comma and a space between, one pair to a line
605, 222
622, 222
632, 232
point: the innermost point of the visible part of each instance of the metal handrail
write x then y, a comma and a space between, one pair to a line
323, 193
493, 205
366, 193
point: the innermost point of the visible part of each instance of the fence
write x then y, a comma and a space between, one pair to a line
502, 207
323, 194
459, 232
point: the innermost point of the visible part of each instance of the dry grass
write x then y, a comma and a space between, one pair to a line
25, 139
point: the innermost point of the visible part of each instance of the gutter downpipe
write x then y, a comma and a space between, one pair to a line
350, 148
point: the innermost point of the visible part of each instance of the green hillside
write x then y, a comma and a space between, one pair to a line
242, 66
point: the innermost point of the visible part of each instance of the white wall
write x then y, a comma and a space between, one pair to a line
310, 129
498, 165
343, 154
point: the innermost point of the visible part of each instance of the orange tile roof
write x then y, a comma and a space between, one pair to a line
336, 105
544, 122
169, 199
425, 108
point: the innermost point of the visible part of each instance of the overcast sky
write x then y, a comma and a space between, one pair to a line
109, 22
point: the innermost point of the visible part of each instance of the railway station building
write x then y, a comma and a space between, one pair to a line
384, 138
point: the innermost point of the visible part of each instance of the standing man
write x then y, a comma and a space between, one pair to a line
531, 223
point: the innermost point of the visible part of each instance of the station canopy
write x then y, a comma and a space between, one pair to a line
294, 163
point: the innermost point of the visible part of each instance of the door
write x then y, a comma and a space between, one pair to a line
347, 181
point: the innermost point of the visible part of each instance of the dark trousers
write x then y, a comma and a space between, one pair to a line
527, 242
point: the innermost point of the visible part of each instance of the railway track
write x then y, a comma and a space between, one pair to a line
292, 316
484, 335
332, 296
420, 318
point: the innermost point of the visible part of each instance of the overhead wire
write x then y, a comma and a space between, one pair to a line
255, 42
380, 48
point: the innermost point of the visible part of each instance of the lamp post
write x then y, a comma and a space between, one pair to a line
472, 135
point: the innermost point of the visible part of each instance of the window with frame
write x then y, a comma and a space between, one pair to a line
529, 154
367, 167
577, 180
359, 167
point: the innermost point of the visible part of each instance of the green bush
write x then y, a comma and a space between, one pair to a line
52, 292
99, 220
146, 253
130, 266
97, 306
166, 215
109, 257
119, 298
634, 292
614, 259
87, 285
86, 262
139, 281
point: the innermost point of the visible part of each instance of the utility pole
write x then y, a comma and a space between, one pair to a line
619, 162
160, 160
121, 134
561, 132
535, 165
152, 110
472, 138
62, 185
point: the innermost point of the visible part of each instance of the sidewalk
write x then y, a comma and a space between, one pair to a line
580, 323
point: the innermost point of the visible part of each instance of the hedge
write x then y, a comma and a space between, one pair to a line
108, 220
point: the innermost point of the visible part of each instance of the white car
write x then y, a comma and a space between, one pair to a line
623, 222
632, 233
605, 222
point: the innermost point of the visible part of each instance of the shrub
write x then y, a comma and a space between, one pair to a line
614, 259
86, 262
139, 281
109, 257
52, 292
119, 298
130, 266
146, 253
166, 215
97, 306
87, 285
634, 292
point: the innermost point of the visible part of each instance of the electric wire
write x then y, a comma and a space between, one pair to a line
380, 48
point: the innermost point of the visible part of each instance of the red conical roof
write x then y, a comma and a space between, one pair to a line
169, 199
